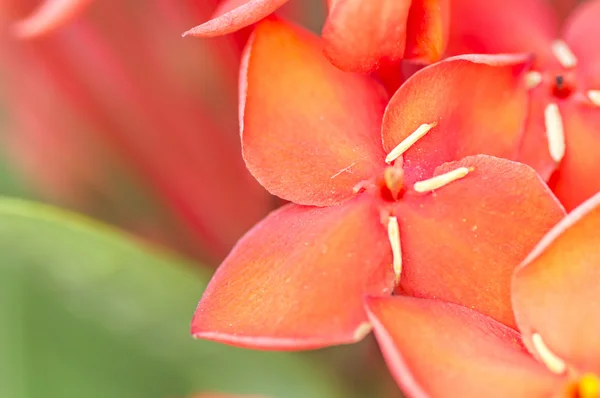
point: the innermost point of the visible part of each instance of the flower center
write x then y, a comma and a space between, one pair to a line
563, 85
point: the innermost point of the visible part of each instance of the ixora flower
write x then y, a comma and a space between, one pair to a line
85, 112
564, 81
555, 299
416, 214
360, 35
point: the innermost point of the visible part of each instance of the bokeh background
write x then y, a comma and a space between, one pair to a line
115, 117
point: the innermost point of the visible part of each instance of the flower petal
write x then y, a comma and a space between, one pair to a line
580, 29
360, 34
534, 149
427, 30
50, 15
478, 102
556, 290
577, 176
462, 242
297, 279
310, 132
502, 26
233, 15
433, 347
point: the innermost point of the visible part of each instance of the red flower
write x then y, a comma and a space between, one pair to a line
360, 35
555, 297
311, 134
562, 130
49, 15
88, 116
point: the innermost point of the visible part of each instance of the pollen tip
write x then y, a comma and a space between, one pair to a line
362, 331
554, 132
563, 54
552, 362
533, 79
409, 141
594, 97
441, 180
394, 238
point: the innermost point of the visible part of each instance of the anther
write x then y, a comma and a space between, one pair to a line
533, 79
563, 54
441, 180
552, 362
554, 132
409, 141
594, 96
362, 331
394, 237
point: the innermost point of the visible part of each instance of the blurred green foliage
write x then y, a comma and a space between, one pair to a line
88, 311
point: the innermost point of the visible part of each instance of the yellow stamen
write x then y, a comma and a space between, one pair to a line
552, 362
554, 132
588, 386
533, 79
563, 54
409, 141
394, 237
594, 96
442, 180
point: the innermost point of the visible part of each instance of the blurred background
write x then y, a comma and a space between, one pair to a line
116, 117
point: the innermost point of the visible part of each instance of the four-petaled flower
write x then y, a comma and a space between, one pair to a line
433, 347
360, 35
417, 214
561, 138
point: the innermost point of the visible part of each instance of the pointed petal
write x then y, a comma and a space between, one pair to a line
478, 102
432, 347
534, 148
580, 28
577, 176
310, 132
462, 242
555, 292
50, 15
427, 30
360, 34
232, 15
297, 279
502, 26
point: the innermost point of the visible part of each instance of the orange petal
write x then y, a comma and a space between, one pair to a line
555, 292
310, 132
360, 34
297, 279
427, 30
580, 30
50, 15
502, 26
462, 242
534, 149
233, 15
478, 102
432, 348
577, 176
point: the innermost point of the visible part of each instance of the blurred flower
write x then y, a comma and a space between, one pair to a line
555, 297
117, 93
49, 15
360, 35
364, 214
561, 137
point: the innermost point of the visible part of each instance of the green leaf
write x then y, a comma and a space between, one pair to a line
86, 311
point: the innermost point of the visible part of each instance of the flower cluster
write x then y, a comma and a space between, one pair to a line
456, 215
